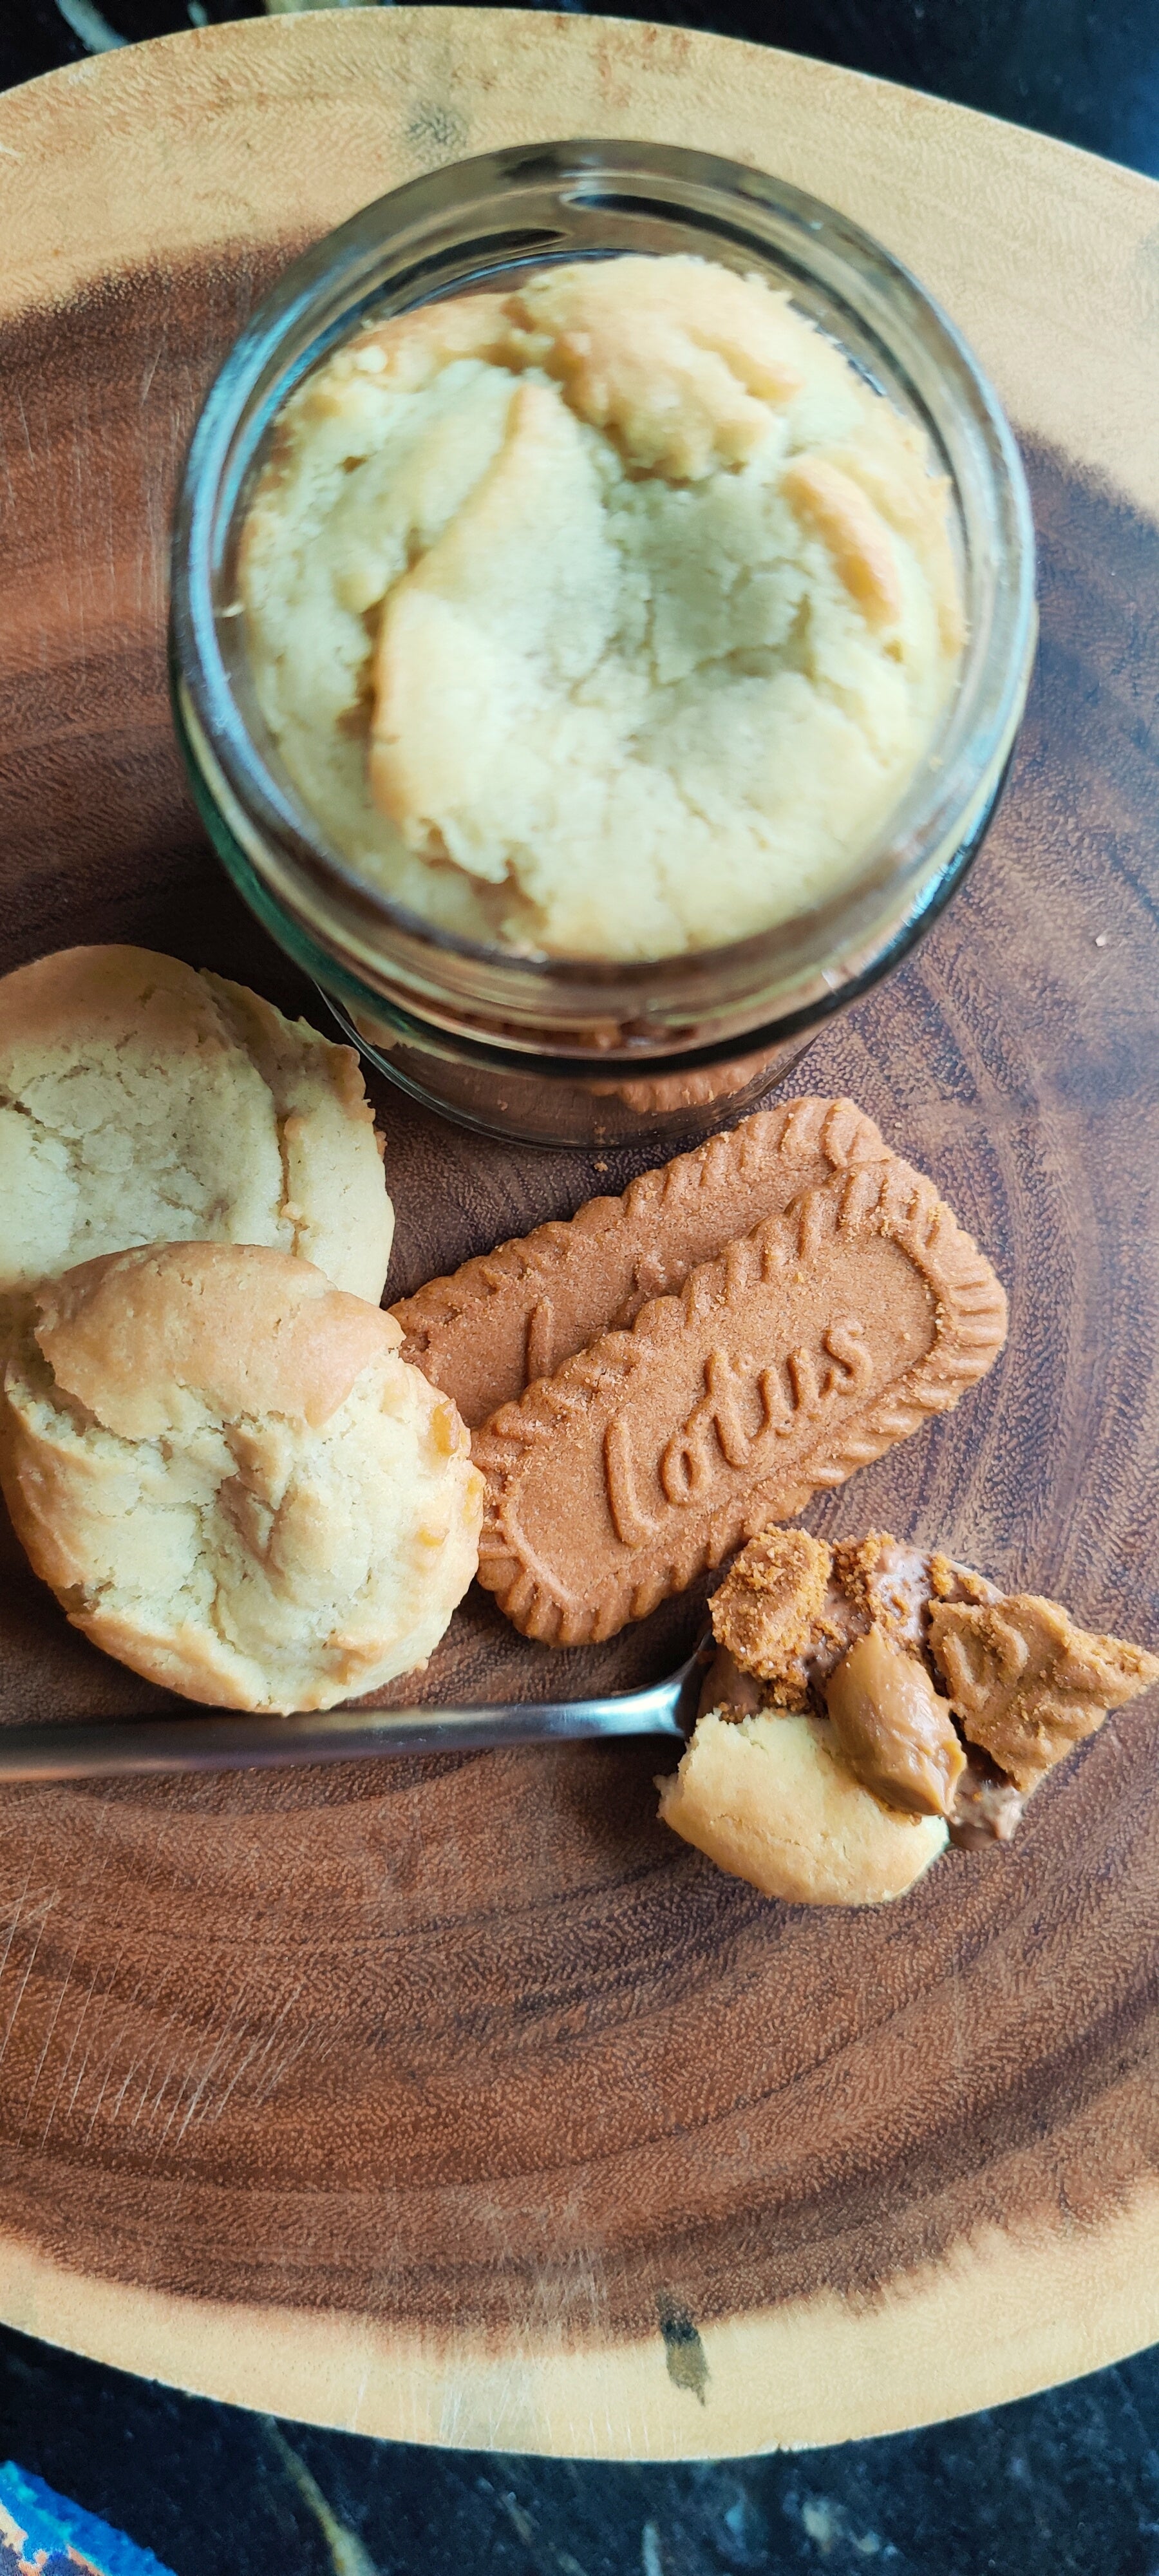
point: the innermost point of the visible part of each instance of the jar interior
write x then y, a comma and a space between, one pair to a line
470, 229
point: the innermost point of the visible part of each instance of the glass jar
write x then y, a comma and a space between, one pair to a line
585, 1051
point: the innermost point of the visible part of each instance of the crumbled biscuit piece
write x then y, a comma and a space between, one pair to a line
768, 1609
888, 1584
952, 1582
895, 1733
791, 1627
1026, 1683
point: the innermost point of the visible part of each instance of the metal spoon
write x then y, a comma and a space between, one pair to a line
218, 1743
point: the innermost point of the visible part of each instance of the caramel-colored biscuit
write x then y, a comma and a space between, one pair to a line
499, 1323
804, 1350
1026, 1683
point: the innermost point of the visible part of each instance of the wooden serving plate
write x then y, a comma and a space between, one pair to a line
457, 2100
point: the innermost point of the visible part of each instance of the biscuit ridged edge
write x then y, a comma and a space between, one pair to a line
835, 1128
887, 1197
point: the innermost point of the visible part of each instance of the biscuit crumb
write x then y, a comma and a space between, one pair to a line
768, 1608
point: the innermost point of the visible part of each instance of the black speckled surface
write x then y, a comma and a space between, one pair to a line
1061, 2485
1066, 2484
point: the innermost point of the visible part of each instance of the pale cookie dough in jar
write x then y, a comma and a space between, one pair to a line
609, 616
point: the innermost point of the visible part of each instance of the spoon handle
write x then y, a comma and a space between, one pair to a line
223, 1743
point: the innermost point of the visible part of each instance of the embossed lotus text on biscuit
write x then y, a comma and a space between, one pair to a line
802, 1351
540, 1339
745, 1408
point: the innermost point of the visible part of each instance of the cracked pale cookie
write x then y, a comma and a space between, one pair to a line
609, 615
141, 1102
231, 1480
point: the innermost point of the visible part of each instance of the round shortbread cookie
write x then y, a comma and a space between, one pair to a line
141, 1102
231, 1480
606, 616
770, 1800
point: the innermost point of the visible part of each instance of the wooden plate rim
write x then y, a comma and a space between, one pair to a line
78, 165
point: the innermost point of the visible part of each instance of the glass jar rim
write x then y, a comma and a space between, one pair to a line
332, 289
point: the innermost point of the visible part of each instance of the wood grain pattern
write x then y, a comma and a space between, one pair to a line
457, 2100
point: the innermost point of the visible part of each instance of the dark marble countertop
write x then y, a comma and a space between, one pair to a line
1066, 2484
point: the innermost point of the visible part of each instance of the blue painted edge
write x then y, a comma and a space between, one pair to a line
50, 2523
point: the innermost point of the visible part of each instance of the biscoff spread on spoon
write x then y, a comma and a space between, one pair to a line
608, 616
870, 1700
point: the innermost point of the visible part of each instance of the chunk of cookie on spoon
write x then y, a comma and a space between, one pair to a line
870, 1702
